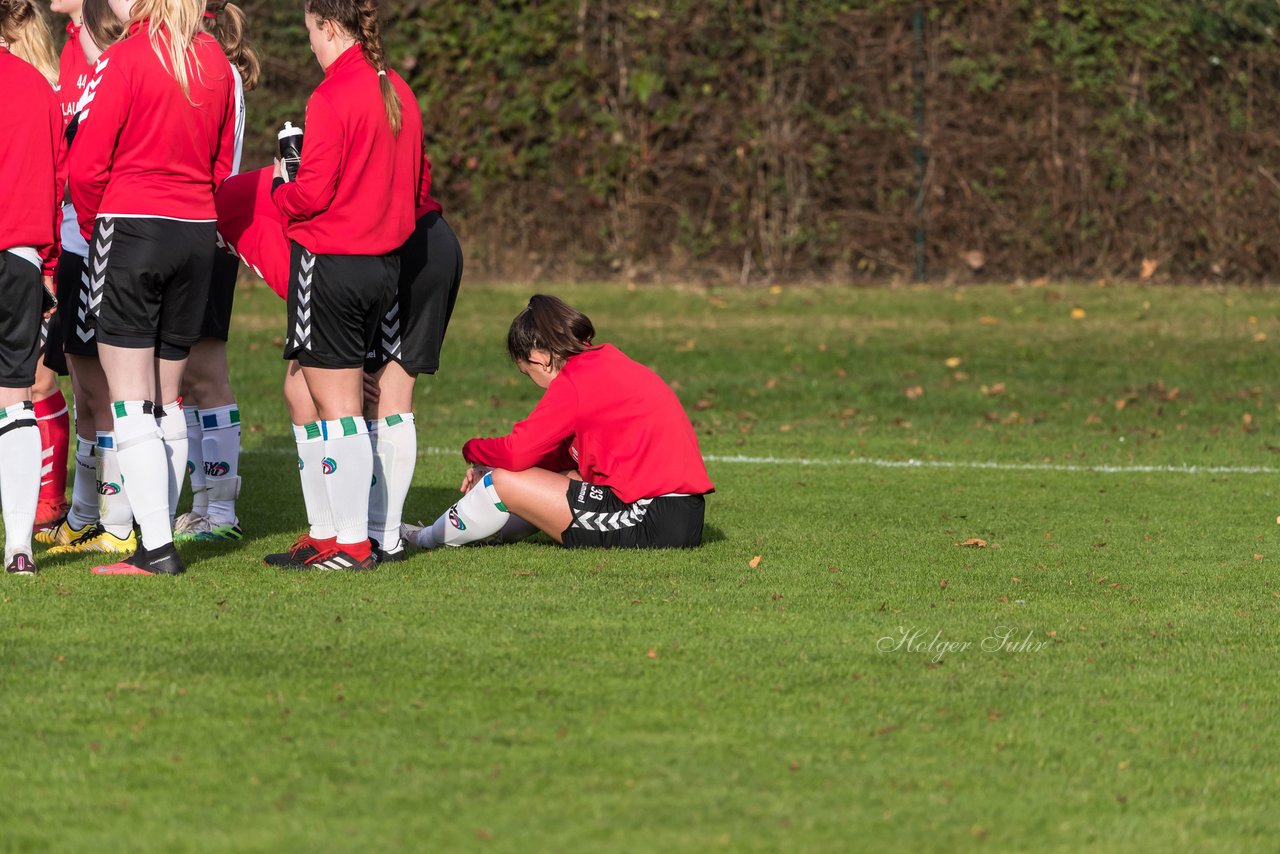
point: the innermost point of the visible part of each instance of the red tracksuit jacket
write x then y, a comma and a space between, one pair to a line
357, 185
624, 426
30, 184
142, 148
74, 71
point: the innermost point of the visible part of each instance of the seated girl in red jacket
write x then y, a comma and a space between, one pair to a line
607, 458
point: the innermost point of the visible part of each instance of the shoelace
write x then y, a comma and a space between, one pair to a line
322, 557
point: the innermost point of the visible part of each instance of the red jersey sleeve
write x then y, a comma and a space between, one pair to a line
59, 189
224, 164
103, 111
317, 182
538, 439
424, 181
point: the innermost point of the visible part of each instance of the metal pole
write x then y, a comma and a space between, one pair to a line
917, 75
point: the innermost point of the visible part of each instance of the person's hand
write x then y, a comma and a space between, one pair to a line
49, 288
371, 390
279, 172
474, 475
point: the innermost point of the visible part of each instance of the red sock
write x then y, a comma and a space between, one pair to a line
325, 544
359, 550
55, 437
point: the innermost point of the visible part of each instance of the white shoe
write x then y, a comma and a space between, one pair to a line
192, 522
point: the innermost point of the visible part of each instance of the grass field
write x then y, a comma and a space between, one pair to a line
831, 671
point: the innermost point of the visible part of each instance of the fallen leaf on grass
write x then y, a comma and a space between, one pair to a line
1078, 313
943, 584
525, 573
954, 362
973, 543
1257, 557
992, 390
1149, 266
988, 320
914, 392
755, 561
652, 653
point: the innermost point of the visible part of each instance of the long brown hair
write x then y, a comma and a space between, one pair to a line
360, 20
101, 23
549, 323
227, 23
24, 27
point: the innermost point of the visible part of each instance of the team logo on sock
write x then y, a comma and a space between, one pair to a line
216, 469
106, 487
301, 464
454, 520
191, 468
329, 465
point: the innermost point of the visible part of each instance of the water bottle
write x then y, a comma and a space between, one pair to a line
290, 150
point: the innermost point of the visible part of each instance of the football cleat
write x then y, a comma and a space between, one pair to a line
337, 559
22, 564
202, 530
62, 534
49, 512
303, 549
96, 538
161, 561
394, 556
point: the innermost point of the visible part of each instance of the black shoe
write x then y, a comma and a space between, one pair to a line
302, 550
159, 561
22, 564
337, 559
381, 556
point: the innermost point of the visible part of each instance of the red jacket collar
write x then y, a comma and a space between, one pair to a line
346, 59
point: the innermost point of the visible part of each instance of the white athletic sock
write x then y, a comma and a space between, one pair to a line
84, 485
310, 443
145, 468
348, 471
173, 432
395, 452
195, 461
20, 464
222, 461
479, 514
114, 511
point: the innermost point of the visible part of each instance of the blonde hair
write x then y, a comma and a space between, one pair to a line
184, 20
24, 28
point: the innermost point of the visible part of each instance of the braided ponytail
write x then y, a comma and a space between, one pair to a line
370, 37
359, 18
226, 22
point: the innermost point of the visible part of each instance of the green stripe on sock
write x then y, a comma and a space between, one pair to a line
349, 427
120, 408
235, 416
500, 506
313, 430
393, 420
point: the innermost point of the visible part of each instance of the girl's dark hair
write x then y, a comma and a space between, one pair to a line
360, 19
101, 23
226, 22
551, 324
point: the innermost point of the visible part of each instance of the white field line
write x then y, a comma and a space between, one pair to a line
871, 462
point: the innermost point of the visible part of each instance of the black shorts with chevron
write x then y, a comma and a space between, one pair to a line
336, 304
147, 281
601, 520
20, 320
412, 331
78, 319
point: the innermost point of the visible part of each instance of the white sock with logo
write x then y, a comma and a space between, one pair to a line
348, 472
173, 432
114, 511
222, 461
478, 515
395, 453
310, 442
145, 467
84, 485
20, 464
195, 461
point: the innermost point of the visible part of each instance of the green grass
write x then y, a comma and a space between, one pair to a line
530, 698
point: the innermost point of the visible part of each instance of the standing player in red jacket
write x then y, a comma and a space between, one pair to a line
31, 187
155, 138
99, 519
213, 417
607, 458
349, 208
